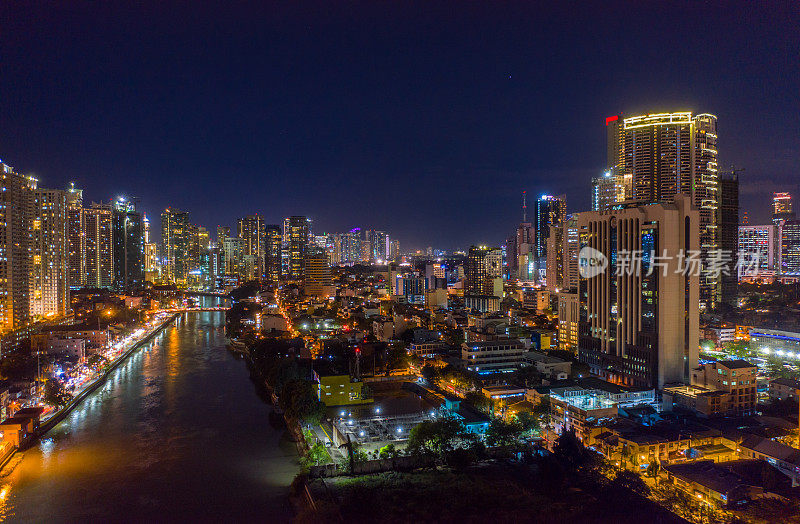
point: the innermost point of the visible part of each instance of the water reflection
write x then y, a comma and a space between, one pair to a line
178, 433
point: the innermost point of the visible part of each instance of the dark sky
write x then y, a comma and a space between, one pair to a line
425, 119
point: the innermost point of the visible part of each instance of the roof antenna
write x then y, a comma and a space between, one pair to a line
524, 207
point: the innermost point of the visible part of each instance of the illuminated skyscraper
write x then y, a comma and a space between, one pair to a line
76, 237
272, 253
176, 246
49, 281
16, 211
99, 246
252, 230
550, 211
129, 256
790, 246
296, 233
639, 327
483, 268
151, 264
669, 153
317, 279
782, 207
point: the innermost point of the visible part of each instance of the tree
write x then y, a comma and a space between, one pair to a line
503, 434
570, 451
54, 393
652, 469
299, 400
435, 438
632, 481
388, 452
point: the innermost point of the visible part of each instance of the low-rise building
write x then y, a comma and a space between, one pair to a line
493, 356
722, 484
784, 388
578, 409
341, 390
553, 367
503, 391
736, 378
785, 458
773, 341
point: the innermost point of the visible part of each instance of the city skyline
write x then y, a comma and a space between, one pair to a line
438, 127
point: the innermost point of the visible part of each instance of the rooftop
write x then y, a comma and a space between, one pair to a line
735, 364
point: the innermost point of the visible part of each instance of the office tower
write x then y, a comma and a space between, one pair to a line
562, 256
782, 207
151, 265
272, 253
550, 211
790, 246
760, 243
223, 232
377, 244
16, 212
728, 231
99, 256
484, 268
252, 230
568, 318
76, 237
175, 246
128, 236
234, 256
520, 249
49, 293
608, 190
669, 153
317, 278
296, 232
636, 328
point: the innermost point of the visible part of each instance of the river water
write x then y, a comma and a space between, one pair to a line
178, 433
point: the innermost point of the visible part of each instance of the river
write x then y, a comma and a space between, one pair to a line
179, 432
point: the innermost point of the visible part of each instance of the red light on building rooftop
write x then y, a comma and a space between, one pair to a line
612, 119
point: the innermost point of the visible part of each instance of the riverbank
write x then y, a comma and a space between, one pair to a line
99, 381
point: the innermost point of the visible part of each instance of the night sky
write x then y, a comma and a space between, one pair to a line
424, 119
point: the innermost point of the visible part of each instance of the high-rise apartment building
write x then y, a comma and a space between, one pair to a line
639, 322
609, 189
252, 230
152, 266
790, 246
128, 236
99, 257
49, 281
16, 212
669, 153
317, 279
272, 253
76, 238
234, 256
296, 233
562, 256
550, 211
484, 272
176, 242
761, 244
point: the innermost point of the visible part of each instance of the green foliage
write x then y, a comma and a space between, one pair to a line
479, 401
503, 434
435, 438
388, 452
317, 454
299, 400
529, 421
